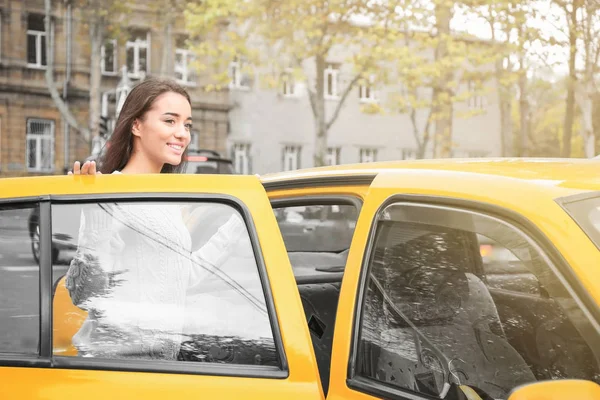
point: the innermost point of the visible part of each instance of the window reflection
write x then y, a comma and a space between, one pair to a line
165, 281
455, 298
19, 280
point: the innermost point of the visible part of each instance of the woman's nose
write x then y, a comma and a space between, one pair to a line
182, 132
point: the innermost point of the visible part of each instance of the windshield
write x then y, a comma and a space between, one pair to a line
587, 215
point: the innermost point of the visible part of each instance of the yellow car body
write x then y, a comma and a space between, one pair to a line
525, 191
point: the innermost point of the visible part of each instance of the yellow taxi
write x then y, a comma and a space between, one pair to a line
449, 279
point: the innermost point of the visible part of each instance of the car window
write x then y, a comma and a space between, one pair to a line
159, 280
19, 281
504, 270
432, 322
317, 227
586, 213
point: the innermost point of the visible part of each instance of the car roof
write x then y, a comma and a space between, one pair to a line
552, 175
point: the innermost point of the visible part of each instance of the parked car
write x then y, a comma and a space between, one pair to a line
207, 162
459, 280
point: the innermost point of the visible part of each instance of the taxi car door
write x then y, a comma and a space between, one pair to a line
418, 317
242, 332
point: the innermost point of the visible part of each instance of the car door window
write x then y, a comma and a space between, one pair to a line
160, 280
317, 227
19, 281
435, 319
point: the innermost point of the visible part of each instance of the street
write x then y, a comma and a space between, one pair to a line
19, 285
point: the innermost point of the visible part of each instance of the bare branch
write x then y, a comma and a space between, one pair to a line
342, 99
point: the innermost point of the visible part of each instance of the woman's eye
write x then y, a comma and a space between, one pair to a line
170, 121
188, 126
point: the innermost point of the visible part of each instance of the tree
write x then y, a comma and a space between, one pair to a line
586, 87
430, 64
102, 18
570, 10
298, 35
546, 118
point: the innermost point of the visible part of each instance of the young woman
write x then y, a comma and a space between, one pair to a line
134, 265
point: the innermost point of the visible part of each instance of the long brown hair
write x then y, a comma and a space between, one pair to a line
138, 102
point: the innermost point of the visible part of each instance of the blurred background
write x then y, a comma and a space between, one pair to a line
286, 84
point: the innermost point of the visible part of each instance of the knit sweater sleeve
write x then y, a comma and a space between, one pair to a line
89, 272
211, 256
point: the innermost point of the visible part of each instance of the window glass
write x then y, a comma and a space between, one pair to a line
587, 214
158, 280
317, 228
456, 298
19, 281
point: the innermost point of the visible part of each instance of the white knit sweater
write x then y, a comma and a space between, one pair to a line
133, 271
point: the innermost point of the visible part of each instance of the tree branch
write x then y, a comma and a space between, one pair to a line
342, 99
49, 75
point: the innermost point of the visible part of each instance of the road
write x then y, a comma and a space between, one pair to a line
19, 287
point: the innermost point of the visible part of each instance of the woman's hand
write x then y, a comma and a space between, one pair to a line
88, 168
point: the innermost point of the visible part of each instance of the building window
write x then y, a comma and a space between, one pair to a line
40, 145
366, 93
36, 41
332, 73
333, 156
184, 72
476, 100
241, 158
239, 78
137, 55
368, 155
291, 158
109, 57
288, 84
409, 154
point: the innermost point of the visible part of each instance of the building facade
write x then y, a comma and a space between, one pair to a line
34, 139
274, 130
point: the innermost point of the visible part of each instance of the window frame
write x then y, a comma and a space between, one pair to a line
38, 45
367, 152
476, 101
237, 74
298, 156
334, 71
288, 84
137, 44
243, 149
46, 357
40, 138
187, 56
333, 154
556, 262
115, 71
367, 92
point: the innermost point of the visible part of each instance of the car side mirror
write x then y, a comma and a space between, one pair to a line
561, 389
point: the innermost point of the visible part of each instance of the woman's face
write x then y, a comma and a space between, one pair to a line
164, 131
